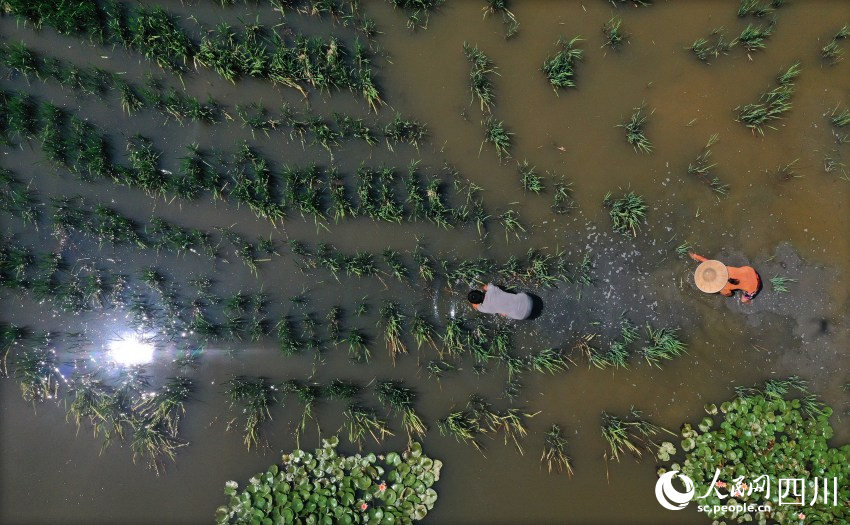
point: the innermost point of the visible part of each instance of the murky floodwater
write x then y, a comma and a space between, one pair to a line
796, 228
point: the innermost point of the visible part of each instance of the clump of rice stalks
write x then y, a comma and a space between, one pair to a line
614, 35
753, 36
496, 134
777, 283
436, 369
634, 130
455, 337
510, 221
397, 268
833, 51
712, 46
631, 434
662, 344
360, 421
772, 104
157, 35
405, 131
145, 172
418, 11
549, 360
18, 57
339, 389
401, 399
501, 6
529, 178
151, 441
832, 164
554, 452
626, 213
562, 200
17, 199
424, 263
308, 395
166, 406
255, 396
701, 167
560, 67
37, 373
423, 331
391, 320
479, 80
839, 119
584, 273
358, 351
595, 356
463, 426
351, 127
756, 8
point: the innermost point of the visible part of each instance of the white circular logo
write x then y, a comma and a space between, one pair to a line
668, 496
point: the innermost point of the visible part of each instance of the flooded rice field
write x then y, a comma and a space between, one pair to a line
278, 232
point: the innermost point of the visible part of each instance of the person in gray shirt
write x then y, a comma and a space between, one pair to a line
494, 300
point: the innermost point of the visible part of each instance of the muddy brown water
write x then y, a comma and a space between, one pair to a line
797, 228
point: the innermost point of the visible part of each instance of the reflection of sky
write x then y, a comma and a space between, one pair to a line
130, 349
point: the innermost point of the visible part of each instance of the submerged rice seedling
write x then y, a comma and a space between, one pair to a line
36, 373
360, 421
479, 81
455, 337
510, 221
634, 130
786, 172
436, 369
339, 389
418, 11
255, 396
17, 199
549, 360
422, 331
529, 178
562, 200
614, 36
351, 127
357, 349
405, 131
151, 441
156, 35
397, 268
560, 67
778, 283
772, 103
626, 213
833, 51
662, 344
554, 452
18, 57
632, 434
401, 399
501, 6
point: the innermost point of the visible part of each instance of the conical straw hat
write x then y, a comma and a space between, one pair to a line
711, 276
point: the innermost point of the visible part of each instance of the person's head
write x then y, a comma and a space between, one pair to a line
734, 281
475, 296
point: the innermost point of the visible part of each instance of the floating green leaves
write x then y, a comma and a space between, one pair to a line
327, 488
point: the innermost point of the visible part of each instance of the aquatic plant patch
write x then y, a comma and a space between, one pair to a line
325, 487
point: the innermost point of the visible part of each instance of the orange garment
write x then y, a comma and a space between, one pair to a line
744, 278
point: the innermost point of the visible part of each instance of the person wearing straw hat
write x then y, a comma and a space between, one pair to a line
715, 277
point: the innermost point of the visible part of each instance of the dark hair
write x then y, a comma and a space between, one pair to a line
475, 296
734, 281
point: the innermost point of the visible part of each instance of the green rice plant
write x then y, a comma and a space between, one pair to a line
36, 373
840, 119
560, 67
833, 51
361, 264
479, 80
255, 395
220, 51
418, 11
626, 213
468, 272
501, 6
712, 46
131, 102
617, 355
423, 332
323, 134
512, 422
16, 198
339, 389
438, 212
634, 130
753, 37
360, 421
405, 131
309, 396
595, 357
68, 18
391, 319
256, 118
145, 172
529, 178
701, 165
398, 398
397, 268
152, 441
424, 263
463, 426
753, 7
662, 344
333, 319
549, 360
562, 200
773, 104
245, 250
11, 337
832, 164
287, 342
510, 221
554, 451
436, 369
496, 134
584, 273
351, 127
628, 330
614, 35
363, 80
514, 364
166, 406
777, 283
454, 337
357, 348
18, 57
157, 35
20, 116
